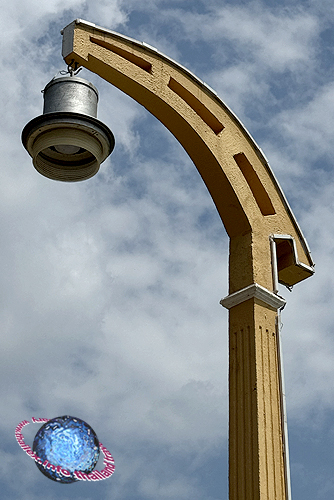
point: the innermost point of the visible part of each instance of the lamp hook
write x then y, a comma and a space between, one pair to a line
72, 69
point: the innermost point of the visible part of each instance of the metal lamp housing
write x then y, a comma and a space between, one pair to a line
68, 143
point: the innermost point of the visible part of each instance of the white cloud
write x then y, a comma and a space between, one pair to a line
171, 488
279, 41
310, 126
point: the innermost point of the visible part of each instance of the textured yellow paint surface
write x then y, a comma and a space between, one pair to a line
256, 440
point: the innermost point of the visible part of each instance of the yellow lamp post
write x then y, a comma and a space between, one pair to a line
266, 243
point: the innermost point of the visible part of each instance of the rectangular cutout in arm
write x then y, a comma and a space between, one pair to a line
199, 108
260, 194
138, 61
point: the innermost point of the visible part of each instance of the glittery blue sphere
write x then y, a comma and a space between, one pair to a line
67, 442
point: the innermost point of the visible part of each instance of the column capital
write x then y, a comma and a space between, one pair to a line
253, 291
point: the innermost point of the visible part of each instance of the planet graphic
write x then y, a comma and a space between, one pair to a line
67, 442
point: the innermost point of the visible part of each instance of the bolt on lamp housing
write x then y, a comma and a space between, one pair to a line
68, 143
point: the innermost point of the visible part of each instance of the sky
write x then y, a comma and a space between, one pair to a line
110, 287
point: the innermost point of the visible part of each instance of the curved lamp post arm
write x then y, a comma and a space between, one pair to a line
248, 198
266, 243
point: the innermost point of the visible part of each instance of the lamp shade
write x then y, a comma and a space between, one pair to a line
68, 142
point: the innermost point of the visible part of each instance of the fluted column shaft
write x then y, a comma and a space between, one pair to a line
256, 450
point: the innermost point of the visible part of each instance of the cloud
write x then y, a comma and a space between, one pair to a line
310, 125
276, 39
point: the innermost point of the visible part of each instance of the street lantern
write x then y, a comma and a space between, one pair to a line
267, 246
68, 143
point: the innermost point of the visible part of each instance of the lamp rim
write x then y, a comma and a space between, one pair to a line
92, 125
